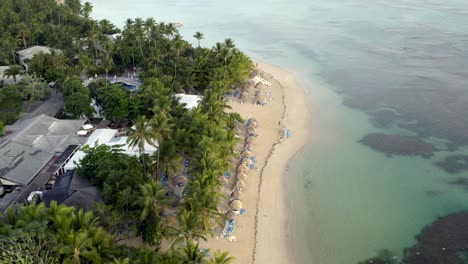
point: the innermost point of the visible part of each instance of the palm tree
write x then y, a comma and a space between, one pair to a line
151, 201
76, 248
189, 227
205, 202
229, 43
143, 133
178, 45
162, 126
13, 71
199, 36
221, 258
30, 213
190, 254
170, 159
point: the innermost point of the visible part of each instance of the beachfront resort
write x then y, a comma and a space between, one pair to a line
142, 146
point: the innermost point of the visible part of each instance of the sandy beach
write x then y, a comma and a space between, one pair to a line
261, 234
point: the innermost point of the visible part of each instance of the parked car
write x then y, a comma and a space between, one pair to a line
9, 188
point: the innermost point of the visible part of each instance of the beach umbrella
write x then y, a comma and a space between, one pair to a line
248, 146
249, 140
240, 184
231, 214
255, 73
242, 168
241, 176
235, 205
246, 153
246, 161
244, 96
251, 130
253, 122
237, 195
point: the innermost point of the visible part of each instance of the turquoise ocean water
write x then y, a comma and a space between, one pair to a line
386, 67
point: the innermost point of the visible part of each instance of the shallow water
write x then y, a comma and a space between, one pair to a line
388, 67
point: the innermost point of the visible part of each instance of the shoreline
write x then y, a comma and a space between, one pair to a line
275, 247
265, 194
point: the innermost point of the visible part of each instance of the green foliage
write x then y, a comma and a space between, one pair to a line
52, 67
220, 257
76, 99
10, 104
114, 101
33, 89
2, 126
58, 234
116, 174
13, 71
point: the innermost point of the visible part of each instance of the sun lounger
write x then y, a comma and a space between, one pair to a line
227, 174
242, 211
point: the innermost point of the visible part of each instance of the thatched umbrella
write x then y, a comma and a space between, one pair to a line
235, 205
242, 168
240, 184
255, 72
231, 214
241, 176
246, 153
244, 96
260, 97
246, 161
251, 130
253, 122
248, 85
237, 195
180, 180
248, 146
249, 140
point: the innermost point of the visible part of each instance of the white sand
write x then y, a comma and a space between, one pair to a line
261, 234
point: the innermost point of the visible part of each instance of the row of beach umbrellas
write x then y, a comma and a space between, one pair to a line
242, 170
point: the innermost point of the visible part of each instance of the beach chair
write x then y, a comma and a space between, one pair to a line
232, 239
242, 211
204, 252
227, 175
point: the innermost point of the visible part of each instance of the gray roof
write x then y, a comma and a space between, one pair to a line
32, 143
28, 53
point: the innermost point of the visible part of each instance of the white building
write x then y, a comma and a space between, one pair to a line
190, 101
108, 137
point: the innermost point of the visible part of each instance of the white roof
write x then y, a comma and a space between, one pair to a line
8, 80
99, 136
82, 133
31, 51
87, 126
108, 137
190, 101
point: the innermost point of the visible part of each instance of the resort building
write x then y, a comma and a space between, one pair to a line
27, 54
109, 137
189, 101
32, 151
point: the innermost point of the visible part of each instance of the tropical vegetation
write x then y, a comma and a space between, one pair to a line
170, 196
